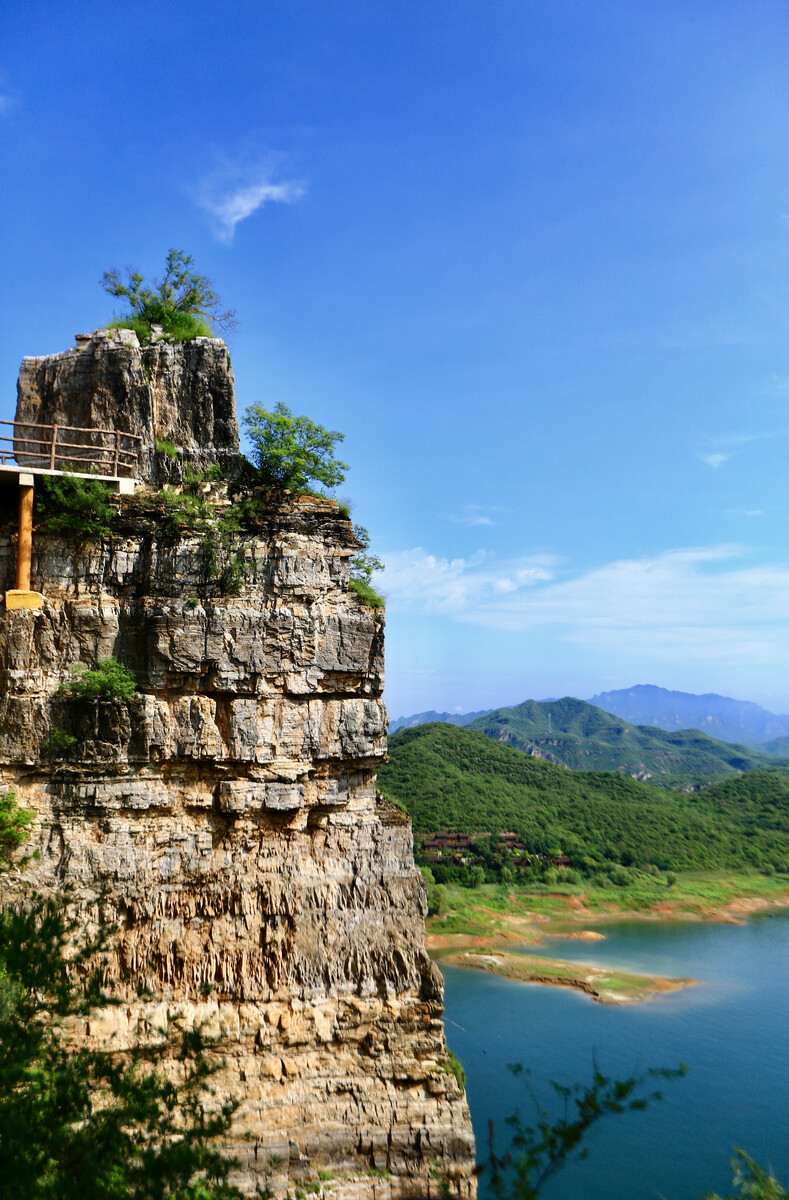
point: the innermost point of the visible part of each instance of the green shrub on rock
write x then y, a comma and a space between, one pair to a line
108, 680
453, 1066
362, 567
73, 507
59, 743
166, 447
13, 827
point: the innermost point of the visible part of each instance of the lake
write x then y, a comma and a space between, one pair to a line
732, 1031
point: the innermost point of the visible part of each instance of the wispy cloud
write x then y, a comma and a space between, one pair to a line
722, 446
233, 192
462, 588
701, 603
715, 460
474, 514
777, 385
8, 100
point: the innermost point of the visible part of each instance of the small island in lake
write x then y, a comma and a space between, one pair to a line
601, 983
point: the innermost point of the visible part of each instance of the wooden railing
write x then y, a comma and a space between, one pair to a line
93, 451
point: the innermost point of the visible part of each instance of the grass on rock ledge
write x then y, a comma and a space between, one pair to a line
367, 594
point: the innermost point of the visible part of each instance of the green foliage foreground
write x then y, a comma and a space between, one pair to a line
538, 1151
80, 1124
752, 1181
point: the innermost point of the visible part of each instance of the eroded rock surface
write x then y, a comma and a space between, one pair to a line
226, 821
180, 393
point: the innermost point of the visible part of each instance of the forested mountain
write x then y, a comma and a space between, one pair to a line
583, 737
779, 747
459, 779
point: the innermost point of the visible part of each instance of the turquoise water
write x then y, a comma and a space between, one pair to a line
732, 1031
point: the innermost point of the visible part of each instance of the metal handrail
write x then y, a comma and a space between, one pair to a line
21, 447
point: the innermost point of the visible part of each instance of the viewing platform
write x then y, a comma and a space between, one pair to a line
89, 453
32, 449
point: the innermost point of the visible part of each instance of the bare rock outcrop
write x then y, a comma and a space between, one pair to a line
225, 820
179, 393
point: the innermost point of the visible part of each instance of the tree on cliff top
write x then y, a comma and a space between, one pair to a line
184, 304
293, 453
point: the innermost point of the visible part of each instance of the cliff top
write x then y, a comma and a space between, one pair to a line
181, 394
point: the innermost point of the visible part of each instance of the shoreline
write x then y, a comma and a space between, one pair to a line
599, 983
481, 936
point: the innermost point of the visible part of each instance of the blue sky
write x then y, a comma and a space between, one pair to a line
532, 257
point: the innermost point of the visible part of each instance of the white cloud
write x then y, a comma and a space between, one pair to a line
6, 104
715, 460
723, 445
459, 587
474, 514
698, 603
232, 193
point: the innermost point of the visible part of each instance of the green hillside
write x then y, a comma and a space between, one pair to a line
580, 736
778, 746
459, 779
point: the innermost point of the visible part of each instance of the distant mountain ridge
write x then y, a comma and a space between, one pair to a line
578, 735
738, 721
426, 718
728, 720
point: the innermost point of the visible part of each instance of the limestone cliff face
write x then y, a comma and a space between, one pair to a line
180, 393
225, 821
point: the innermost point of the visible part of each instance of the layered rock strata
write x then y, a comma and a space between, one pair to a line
225, 822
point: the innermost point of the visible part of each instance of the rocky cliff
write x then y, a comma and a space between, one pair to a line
225, 820
182, 394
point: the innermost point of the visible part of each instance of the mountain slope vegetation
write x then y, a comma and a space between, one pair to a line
583, 737
459, 779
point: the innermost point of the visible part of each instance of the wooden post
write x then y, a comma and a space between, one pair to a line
24, 546
22, 597
117, 452
52, 448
